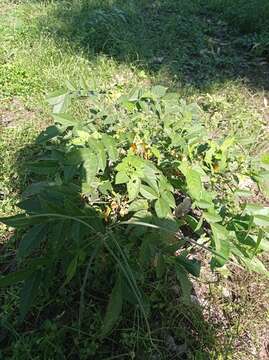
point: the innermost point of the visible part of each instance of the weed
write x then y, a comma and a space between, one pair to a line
103, 204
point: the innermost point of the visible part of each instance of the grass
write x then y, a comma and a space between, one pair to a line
252, 17
205, 50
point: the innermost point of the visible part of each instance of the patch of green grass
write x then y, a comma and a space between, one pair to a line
182, 45
232, 108
249, 16
15, 148
46, 43
244, 319
47, 339
33, 64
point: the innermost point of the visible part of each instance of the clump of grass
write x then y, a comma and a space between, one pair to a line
15, 148
248, 16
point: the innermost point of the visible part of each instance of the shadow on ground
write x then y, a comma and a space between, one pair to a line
180, 38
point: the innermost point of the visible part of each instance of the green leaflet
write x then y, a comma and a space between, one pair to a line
261, 220
60, 101
114, 307
161, 266
227, 143
162, 208
29, 292
43, 167
72, 268
134, 94
243, 193
151, 180
37, 188
212, 218
222, 245
98, 148
65, 120
101, 156
139, 204
194, 184
18, 221
15, 277
194, 224
148, 192
185, 283
48, 134
168, 198
31, 240
159, 90
263, 180
260, 214
191, 266
105, 187
164, 185
133, 188
256, 265
145, 253
265, 161
110, 146
255, 209
90, 166
121, 178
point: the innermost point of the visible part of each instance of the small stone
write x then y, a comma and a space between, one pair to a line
157, 60
195, 300
226, 293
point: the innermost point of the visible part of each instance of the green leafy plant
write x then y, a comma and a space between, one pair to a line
138, 187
